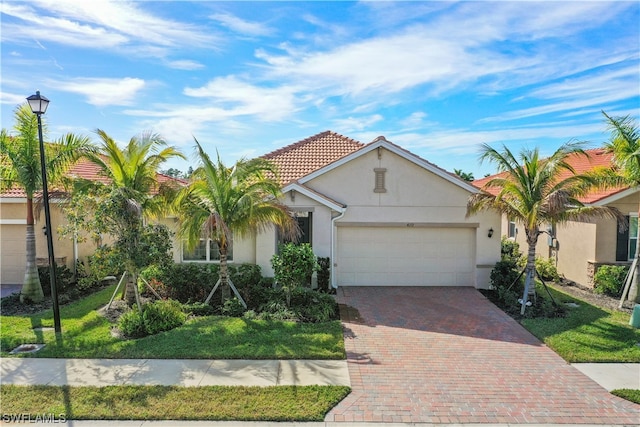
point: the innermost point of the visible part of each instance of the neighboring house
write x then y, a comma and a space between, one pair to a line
13, 212
383, 215
579, 248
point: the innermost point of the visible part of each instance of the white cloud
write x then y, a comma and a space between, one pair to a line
579, 93
352, 124
241, 26
99, 24
242, 98
12, 98
104, 91
185, 64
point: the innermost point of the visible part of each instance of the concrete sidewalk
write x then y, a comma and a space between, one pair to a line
612, 376
187, 373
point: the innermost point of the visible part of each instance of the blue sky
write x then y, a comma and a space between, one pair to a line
245, 78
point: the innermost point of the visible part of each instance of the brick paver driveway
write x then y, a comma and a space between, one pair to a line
447, 355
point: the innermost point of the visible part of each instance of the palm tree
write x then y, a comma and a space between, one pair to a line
537, 192
467, 176
20, 167
131, 193
624, 145
224, 202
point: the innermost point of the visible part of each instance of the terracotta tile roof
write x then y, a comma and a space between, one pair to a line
303, 157
596, 158
90, 171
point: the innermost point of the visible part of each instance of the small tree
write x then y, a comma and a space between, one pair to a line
293, 266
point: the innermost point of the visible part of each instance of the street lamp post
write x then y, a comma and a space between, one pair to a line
39, 104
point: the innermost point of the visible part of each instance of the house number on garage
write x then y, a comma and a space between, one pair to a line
410, 224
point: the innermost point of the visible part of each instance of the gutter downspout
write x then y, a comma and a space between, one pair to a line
333, 247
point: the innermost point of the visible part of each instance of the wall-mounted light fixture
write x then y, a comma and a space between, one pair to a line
490, 232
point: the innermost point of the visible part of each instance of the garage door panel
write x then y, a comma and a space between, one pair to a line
13, 253
380, 256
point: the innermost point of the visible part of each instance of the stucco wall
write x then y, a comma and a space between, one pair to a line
413, 195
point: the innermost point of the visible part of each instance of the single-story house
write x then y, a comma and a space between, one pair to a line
578, 248
13, 212
383, 215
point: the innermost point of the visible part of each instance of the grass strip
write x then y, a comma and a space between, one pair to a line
219, 403
86, 334
628, 394
588, 334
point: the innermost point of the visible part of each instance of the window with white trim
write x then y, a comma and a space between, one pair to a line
633, 236
205, 251
512, 231
627, 239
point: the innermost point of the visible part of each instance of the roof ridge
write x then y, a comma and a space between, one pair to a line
308, 140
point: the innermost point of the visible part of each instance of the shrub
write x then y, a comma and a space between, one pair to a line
609, 279
163, 315
246, 277
64, 279
189, 281
198, 309
547, 270
504, 274
233, 308
158, 316
293, 266
509, 249
312, 306
131, 324
324, 270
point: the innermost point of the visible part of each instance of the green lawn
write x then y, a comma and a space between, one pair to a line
588, 333
86, 334
284, 403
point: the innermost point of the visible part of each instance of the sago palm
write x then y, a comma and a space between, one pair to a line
132, 192
536, 192
20, 167
224, 202
624, 145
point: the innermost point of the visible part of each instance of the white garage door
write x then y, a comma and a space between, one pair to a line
400, 256
12, 253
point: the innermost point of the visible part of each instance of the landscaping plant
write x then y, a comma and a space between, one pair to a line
609, 279
293, 266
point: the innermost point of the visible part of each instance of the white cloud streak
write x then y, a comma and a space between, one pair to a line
104, 92
241, 26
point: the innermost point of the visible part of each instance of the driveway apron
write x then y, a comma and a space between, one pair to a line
448, 355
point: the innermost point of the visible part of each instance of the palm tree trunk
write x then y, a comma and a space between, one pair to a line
31, 287
530, 270
129, 290
224, 274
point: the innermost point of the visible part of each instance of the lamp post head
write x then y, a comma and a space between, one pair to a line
38, 103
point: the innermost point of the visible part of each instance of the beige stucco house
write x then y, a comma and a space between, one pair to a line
384, 216
579, 248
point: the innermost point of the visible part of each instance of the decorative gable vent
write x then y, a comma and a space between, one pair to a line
379, 183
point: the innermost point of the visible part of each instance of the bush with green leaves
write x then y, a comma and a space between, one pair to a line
64, 279
546, 269
198, 309
155, 317
293, 266
507, 290
509, 249
609, 279
313, 306
233, 308
324, 273
131, 324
